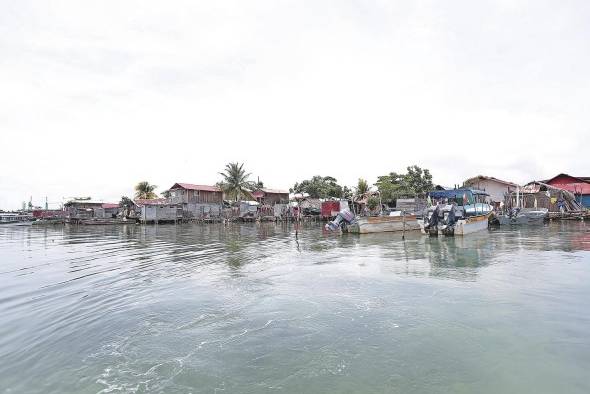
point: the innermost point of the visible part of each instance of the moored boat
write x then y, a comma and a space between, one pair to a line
381, 224
15, 219
523, 216
456, 212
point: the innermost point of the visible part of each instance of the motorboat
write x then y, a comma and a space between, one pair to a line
456, 212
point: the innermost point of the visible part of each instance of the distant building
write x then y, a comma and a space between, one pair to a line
158, 210
542, 195
271, 196
496, 188
197, 201
86, 208
579, 186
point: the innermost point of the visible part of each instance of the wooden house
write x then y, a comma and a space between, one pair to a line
579, 186
158, 210
87, 208
197, 201
542, 195
271, 196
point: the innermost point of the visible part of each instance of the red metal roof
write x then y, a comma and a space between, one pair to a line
110, 205
153, 201
190, 186
577, 185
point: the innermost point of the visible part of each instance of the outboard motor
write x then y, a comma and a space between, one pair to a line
432, 225
344, 218
451, 220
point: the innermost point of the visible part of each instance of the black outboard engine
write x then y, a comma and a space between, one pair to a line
451, 220
432, 225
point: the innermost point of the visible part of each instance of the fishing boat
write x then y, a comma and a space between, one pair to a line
519, 216
382, 224
346, 221
14, 219
456, 212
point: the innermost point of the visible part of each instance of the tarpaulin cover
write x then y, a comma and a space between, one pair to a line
454, 193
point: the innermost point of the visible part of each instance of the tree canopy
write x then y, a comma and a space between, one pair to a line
235, 183
125, 202
321, 187
144, 190
411, 184
362, 187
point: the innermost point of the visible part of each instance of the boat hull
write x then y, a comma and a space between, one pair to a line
525, 217
465, 226
383, 224
471, 224
15, 224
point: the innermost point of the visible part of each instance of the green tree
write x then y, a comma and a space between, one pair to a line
418, 180
320, 187
125, 202
166, 193
362, 187
235, 182
144, 190
372, 203
411, 184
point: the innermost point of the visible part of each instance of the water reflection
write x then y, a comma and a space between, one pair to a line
259, 307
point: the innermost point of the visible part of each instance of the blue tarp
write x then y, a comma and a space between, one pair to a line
454, 193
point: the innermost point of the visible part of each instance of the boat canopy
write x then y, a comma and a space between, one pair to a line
452, 194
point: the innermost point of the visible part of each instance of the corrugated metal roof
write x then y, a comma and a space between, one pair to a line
74, 201
490, 178
274, 191
108, 205
578, 185
191, 186
153, 201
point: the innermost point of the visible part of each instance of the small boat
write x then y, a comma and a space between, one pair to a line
520, 216
382, 224
48, 221
346, 221
15, 219
456, 212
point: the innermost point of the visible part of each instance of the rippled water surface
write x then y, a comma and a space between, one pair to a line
255, 309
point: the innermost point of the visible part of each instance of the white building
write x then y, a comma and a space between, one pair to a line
495, 187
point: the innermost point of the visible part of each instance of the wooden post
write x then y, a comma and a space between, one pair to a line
403, 225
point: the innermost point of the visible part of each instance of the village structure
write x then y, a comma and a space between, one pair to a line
564, 196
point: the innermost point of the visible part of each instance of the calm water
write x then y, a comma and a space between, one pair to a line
252, 309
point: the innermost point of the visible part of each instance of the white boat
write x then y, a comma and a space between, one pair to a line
456, 212
15, 219
382, 224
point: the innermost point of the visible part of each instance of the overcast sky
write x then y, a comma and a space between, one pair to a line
98, 95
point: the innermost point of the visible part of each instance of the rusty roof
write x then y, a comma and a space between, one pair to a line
490, 178
191, 186
152, 201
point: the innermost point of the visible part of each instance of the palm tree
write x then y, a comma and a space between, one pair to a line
235, 182
144, 190
362, 187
